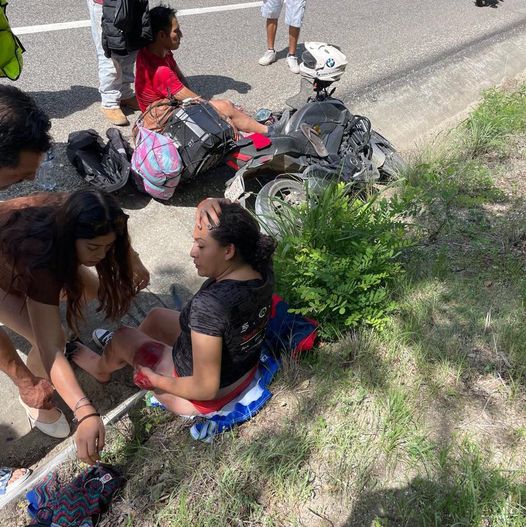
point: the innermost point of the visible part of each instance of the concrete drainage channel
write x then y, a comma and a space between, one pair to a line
406, 109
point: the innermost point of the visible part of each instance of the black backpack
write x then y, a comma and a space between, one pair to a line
202, 137
105, 166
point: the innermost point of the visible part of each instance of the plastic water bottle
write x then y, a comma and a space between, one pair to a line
45, 178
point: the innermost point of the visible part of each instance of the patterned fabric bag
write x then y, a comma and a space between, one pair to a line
156, 164
77, 503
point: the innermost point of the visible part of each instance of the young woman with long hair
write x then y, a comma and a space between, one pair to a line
48, 242
199, 359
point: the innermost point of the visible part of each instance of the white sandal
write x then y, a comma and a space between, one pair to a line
59, 429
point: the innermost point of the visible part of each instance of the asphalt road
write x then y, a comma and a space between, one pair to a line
383, 40
386, 42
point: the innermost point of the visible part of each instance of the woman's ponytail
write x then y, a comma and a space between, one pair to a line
265, 247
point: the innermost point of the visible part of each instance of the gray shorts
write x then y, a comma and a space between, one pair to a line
293, 14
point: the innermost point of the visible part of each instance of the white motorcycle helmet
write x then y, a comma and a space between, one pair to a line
322, 61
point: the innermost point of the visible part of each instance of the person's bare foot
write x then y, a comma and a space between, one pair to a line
89, 361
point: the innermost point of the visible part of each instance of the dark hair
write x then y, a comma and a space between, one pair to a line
161, 19
239, 227
23, 126
45, 239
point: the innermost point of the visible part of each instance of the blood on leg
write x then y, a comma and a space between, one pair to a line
149, 355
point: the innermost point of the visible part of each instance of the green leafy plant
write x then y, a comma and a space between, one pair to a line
337, 257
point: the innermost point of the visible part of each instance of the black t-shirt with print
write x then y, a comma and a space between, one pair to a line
237, 311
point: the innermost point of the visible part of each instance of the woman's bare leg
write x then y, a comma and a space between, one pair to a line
35, 391
177, 405
119, 352
161, 326
14, 315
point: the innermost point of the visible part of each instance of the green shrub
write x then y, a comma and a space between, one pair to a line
337, 257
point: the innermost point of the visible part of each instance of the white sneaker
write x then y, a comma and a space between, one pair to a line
292, 61
268, 58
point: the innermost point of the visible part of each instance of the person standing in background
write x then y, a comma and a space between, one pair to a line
271, 10
116, 74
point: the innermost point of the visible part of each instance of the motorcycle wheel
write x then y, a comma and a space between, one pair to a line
393, 164
274, 198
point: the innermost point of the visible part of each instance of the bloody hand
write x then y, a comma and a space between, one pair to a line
37, 393
142, 380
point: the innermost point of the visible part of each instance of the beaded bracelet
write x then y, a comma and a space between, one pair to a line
94, 414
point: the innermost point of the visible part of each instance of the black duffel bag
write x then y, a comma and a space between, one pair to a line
103, 165
202, 136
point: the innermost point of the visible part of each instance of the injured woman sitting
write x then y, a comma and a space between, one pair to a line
199, 359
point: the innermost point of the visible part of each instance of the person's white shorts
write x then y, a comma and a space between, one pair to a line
293, 14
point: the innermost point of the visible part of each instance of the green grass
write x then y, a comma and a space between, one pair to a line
466, 490
500, 115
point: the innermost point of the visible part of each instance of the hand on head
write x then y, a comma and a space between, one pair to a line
208, 212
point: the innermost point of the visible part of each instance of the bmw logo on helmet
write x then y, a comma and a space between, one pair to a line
330, 62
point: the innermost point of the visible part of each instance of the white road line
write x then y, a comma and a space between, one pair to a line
217, 8
44, 28
27, 30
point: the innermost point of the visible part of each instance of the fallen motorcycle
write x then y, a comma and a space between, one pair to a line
320, 141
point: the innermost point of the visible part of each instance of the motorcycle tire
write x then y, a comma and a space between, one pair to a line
274, 196
393, 164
